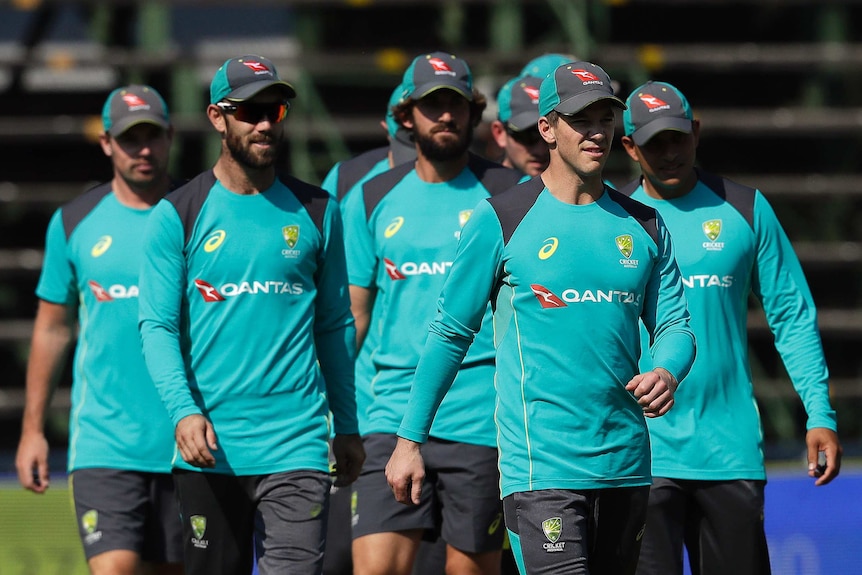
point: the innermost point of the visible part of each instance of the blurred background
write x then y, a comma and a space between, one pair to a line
777, 85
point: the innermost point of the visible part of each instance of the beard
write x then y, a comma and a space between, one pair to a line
445, 151
242, 152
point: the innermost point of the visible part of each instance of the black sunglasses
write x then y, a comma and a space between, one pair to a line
252, 113
526, 138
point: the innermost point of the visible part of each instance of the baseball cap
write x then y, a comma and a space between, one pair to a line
654, 107
435, 71
574, 86
243, 77
543, 65
402, 147
518, 102
132, 105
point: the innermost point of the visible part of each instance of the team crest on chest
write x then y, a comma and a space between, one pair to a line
626, 245
291, 238
712, 229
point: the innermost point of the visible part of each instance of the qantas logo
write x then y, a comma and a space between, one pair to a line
256, 67
392, 270
653, 103
587, 77
549, 299
707, 280
440, 67
135, 102
113, 292
532, 92
546, 297
401, 272
210, 293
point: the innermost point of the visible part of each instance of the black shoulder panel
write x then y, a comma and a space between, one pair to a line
312, 198
737, 195
495, 177
351, 171
629, 188
76, 210
189, 198
513, 205
380, 185
645, 215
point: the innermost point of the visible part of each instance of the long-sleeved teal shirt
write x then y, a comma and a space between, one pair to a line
241, 296
569, 285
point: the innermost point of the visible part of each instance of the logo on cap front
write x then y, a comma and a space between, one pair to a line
587, 77
135, 102
441, 67
532, 93
256, 67
653, 103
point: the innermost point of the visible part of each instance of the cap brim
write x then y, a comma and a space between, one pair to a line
254, 88
403, 150
577, 103
126, 123
643, 134
524, 120
425, 89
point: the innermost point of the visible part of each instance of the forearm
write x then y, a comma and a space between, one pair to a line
49, 349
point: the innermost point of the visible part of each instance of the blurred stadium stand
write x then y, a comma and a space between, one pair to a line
777, 86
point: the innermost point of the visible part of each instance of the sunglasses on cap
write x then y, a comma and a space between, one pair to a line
526, 138
253, 112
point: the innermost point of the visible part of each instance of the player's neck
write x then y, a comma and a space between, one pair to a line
571, 187
138, 197
673, 189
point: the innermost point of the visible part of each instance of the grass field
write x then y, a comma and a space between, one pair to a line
37, 532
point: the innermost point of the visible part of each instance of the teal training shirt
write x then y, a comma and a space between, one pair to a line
93, 253
402, 234
569, 284
242, 295
729, 244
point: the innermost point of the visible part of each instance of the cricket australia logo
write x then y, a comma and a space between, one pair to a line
463, 216
625, 244
291, 237
553, 529
199, 528
712, 229
90, 524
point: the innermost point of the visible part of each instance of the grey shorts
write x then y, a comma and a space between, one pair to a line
128, 510
575, 532
460, 495
228, 520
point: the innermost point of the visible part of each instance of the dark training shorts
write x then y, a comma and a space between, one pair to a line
227, 520
127, 510
460, 495
575, 532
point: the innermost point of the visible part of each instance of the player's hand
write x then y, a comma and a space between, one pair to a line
31, 461
349, 457
195, 438
654, 391
405, 472
821, 440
